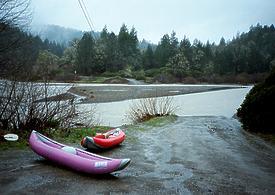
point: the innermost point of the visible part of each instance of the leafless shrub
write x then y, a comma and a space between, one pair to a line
14, 12
145, 109
14, 15
27, 106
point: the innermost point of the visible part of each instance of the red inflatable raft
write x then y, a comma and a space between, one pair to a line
106, 140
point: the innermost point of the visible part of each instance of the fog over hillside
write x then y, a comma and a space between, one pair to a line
64, 35
57, 33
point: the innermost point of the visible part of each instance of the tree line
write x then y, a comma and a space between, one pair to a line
171, 60
23, 57
248, 53
20, 51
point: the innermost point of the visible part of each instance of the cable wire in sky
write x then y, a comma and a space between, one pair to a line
87, 16
85, 8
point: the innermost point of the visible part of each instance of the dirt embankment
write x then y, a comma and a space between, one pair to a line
201, 155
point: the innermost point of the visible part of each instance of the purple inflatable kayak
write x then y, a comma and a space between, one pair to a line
74, 158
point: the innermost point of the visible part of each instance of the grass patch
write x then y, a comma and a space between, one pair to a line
153, 122
76, 135
160, 121
20, 144
68, 136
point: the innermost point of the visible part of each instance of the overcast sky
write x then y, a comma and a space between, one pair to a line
201, 19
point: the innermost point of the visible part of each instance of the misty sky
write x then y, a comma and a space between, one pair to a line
201, 19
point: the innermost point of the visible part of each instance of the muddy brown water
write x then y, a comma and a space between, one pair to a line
193, 155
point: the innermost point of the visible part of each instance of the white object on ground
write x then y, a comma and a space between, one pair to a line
11, 137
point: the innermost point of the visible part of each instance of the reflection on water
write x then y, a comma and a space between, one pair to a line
214, 103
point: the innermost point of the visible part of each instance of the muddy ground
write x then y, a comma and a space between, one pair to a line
192, 155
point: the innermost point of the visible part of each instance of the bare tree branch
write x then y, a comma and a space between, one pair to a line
14, 13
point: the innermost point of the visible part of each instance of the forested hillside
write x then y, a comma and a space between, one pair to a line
56, 33
20, 52
245, 58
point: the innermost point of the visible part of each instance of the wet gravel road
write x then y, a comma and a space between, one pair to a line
193, 155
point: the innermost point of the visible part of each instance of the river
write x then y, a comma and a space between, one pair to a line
213, 103
191, 102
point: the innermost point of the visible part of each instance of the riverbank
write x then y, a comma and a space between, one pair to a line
188, 155
99, 93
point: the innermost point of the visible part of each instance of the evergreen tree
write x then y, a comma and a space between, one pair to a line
135, 56
148, 59
167, 48
85, 55
179, 66
128, 47
108, 43
123, 40
162, 52
185, 47
70, 53
113, 54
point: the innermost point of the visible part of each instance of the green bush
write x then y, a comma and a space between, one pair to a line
126, 73
139, 75
257, 111
152, 72
109, 74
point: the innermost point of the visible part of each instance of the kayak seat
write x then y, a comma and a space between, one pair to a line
69, 149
